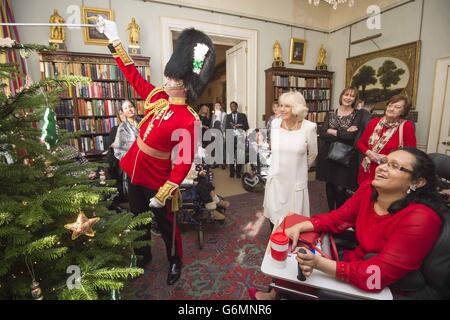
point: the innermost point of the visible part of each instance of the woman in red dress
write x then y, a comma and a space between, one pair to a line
384, 135
397, 217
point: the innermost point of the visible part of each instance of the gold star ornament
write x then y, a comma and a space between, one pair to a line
83, 225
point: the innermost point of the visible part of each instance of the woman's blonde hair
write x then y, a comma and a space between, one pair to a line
295, 100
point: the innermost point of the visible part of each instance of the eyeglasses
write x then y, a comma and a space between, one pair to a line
394, 165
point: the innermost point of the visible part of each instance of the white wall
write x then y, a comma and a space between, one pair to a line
400, 26
148, 17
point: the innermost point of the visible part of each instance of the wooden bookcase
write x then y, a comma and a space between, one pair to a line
92, 108
316, 87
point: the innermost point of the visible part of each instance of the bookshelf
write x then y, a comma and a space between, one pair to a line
92, 108
316, 87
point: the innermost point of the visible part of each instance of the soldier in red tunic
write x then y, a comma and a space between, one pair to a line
154, 166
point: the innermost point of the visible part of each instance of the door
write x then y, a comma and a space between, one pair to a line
237, 76
444, 136
439, 134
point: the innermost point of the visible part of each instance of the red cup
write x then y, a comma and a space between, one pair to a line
279, 246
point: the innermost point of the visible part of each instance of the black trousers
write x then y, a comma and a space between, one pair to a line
336, 196
235, 169
139, 199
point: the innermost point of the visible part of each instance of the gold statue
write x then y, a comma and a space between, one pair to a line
56, 32
277, 55
321, 65
134, 29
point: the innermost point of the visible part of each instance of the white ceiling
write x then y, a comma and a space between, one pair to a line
296, 12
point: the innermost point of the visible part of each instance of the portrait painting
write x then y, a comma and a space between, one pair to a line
297, 51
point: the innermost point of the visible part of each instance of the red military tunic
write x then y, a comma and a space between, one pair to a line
163, 117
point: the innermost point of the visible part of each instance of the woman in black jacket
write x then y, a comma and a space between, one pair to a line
341, 125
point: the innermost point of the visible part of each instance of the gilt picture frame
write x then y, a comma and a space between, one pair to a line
91, 35
297, 51
380, 75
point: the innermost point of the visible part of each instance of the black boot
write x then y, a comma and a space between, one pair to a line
174, 272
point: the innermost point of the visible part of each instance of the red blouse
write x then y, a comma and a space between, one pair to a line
409, 140
401, 240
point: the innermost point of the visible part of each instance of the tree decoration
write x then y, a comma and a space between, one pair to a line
83, 225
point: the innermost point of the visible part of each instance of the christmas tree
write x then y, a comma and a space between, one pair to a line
58, 240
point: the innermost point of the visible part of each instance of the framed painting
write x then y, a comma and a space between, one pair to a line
91, 35
297, 51
380, 75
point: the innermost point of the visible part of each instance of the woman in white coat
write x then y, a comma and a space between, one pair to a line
294, 150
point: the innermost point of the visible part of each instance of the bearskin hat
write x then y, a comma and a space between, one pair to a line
193, 61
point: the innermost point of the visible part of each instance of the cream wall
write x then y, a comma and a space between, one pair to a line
148, 17
345, 15
400, 26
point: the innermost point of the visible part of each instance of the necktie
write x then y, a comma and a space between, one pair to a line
234, 118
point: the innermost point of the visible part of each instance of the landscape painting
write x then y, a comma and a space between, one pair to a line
382, 74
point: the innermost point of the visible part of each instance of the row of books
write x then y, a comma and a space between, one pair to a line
323, 105
308, 94
67, 124
102, 125
53, 70
100, 90
316, 116
98, 107
324, 83
86, 144
132, 93
139, 104
64, 108
93, 71
299, 82
324, 94
101, 108
98, 71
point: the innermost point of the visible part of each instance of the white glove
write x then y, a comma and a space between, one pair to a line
155, 203
108, 28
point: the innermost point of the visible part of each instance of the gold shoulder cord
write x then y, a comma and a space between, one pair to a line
191, 110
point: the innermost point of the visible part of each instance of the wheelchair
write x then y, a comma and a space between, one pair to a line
193, 212
254, 175
430, 282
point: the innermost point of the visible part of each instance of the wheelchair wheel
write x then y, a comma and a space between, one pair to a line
247, 182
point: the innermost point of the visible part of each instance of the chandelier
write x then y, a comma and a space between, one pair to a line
334, 3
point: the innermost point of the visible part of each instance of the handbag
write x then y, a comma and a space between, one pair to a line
341, 153
311, 240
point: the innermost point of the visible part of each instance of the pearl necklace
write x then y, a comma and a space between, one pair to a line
295, 126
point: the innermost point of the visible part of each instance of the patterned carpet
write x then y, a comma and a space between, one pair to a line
230, 260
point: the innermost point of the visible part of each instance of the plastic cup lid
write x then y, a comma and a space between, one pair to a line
279, 238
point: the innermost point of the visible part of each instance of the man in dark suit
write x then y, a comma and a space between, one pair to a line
235, 121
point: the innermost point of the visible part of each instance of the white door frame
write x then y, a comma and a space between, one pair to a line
437, 107
168, 25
